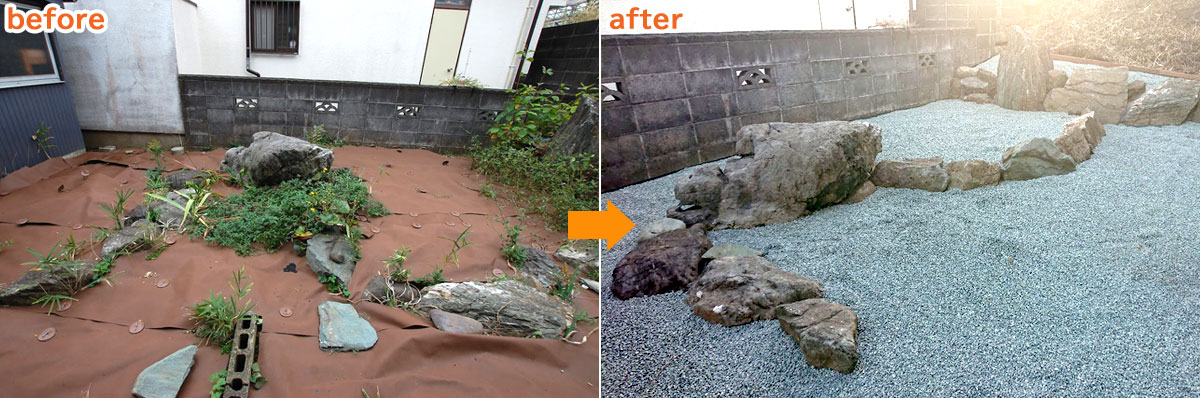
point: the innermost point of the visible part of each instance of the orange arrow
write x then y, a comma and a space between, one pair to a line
610, 225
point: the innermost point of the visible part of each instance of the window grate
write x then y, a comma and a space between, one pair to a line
274, 26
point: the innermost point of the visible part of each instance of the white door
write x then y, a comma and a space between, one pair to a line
445, 41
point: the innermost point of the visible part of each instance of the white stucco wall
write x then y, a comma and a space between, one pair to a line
124, 79
759, 15
366, 40
187, 42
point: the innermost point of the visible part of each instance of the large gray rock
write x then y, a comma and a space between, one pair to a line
330, 253
1023, 73
274, 158
925, 173
505, 308
1168, 105
38, 282
1100, 90
540, 267
129, 239
827, 332
665, 263
164, 378
739, 290
701, 186
582, 254
342, 329
1080, 136
580, 133
180, 179
792, 169
657, 227
1034, 158
971, 174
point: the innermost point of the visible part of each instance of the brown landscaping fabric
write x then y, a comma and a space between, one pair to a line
94, 353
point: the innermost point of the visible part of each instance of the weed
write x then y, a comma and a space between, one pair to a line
156, 148
256, 378
365, 395
216, 317
511, 250
54, 301
334, 285
155, 181
565, 289
61, 264
462, 81
191, 209
5, 244
547, 184
317, 136
116, 211
218, 383
42, 138
296, 208
459, 243
103, 268
488, 191
395, 265
430, 279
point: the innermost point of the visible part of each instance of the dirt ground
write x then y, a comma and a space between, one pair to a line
94, 354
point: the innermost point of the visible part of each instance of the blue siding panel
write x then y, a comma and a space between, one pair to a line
23, 110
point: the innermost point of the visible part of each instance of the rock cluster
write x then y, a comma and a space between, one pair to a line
973, 84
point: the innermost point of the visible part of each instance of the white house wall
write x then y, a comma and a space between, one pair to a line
379, 41
496, 31
187, 43
124, 79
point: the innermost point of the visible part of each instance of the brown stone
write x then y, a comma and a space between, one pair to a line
1167, 105
1102, 90
827, 332
866, 189
1080, 136
1023, 73
924, 173
971, 174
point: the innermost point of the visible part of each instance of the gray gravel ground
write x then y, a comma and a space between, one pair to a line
963, 130
1081, 285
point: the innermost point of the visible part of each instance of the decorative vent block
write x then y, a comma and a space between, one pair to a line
855, 68
753, 77
327, 106
612, 92
927, 60
407, 110
487, 116
243, 103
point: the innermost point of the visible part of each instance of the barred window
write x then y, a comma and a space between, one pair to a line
275, 26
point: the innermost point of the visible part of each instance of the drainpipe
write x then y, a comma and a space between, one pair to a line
528, 39
248, 45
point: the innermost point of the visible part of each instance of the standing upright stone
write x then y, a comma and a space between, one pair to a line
1024, 72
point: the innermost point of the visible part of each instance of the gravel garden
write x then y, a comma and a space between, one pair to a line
1032, 236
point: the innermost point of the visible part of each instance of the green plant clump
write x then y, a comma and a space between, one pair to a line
334, 285
459, 243
395, 265
317, 136
269, 217
462, 81
511, 250
216, 318
550, 184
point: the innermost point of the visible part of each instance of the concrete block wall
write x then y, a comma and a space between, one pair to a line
982, 15
571, 52
222, 111
673, 101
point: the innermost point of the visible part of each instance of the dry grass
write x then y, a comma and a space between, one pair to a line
1162, 34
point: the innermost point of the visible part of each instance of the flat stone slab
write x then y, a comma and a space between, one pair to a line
342, 329
164, 378
656, 227
827, 332
729, 250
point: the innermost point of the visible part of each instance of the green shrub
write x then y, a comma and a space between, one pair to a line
550, 185
271, 216
216, 318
